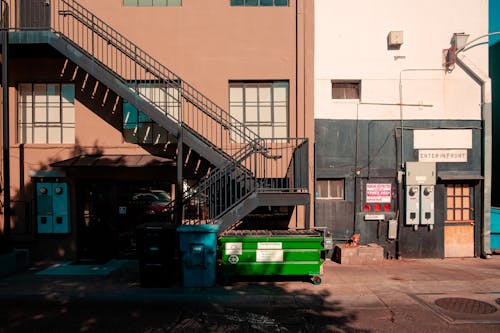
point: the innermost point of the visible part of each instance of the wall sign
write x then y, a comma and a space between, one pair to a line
234, 248
442, 155
378, 193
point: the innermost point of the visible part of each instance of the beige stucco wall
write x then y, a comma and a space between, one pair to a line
208, 44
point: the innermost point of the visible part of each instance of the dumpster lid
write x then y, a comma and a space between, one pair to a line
214, 228
157, 226
272, 233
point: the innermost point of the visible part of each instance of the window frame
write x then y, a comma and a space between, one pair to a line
329, 182
154, 3
274, 104
243, 3
467, 199
143, 121
27, 122
358, 84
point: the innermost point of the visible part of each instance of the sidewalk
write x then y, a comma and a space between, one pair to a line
392, 296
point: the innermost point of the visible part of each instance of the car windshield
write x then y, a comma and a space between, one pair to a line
161, 195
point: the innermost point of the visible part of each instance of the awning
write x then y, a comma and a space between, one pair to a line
114, 161
449, 176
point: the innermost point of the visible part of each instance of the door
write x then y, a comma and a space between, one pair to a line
97, 237
34, 14
459, 223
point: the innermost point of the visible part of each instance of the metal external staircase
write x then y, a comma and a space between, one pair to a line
249, 170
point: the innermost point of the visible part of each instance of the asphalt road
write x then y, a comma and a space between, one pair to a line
393, 296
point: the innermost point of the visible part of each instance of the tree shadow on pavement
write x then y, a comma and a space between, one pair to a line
118, 304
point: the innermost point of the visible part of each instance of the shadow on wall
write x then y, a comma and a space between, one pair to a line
23, 222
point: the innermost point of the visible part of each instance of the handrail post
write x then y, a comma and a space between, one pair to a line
93, 33
135, 69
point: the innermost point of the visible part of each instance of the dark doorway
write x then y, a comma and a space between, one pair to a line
96, 229
109, 213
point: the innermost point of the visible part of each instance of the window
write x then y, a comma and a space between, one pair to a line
259, 3
137, 126
330, 189
152, 3
46, 113
458, 203
262, 106
346, 89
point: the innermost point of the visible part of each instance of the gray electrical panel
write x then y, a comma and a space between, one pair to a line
427, 203
420, 173
412, 205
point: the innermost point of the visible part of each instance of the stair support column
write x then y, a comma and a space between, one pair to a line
179, 184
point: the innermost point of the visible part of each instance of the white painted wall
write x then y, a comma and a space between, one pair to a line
351, 43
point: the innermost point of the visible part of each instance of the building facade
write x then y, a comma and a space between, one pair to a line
400, 151
117, 107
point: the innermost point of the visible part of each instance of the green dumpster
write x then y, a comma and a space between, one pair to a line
277, 252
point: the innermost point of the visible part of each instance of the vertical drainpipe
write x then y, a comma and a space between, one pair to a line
297, 84
486, 116
5, 129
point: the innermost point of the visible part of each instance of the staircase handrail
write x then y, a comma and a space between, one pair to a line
137, 54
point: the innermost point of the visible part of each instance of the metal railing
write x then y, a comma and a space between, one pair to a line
279, 166
131, 64
251, 163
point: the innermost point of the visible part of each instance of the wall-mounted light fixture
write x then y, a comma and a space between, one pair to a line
458, 43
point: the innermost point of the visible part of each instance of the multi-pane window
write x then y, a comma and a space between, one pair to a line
259, 2
346, 89
46, 113
459, 203
152, 3
330, 189
137, 126
261, 106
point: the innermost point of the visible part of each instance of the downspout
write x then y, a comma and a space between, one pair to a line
5, 124
485, 82
296, 84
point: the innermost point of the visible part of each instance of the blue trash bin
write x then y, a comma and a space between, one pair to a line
198, 244
495, 228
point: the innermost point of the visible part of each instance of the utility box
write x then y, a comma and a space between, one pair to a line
198, 245
420, 173
52, 208
392, 229
412, 205
395, 38
427, 203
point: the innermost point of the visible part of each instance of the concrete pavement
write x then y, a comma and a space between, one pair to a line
424, 295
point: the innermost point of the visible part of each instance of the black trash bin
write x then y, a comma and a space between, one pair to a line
157, 249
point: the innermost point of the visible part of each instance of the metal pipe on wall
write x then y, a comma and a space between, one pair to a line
5, 124
485, 82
